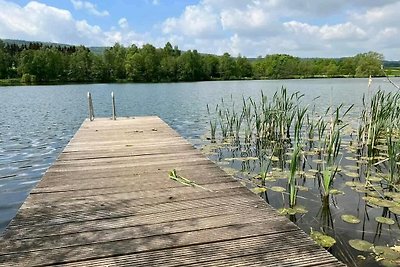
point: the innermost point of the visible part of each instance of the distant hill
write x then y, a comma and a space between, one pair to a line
391, 63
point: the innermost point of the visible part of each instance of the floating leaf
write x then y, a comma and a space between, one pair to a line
361, 189
274, 158
259, 190
352, 174
282, 211
379, 202
321, 239
392, 194
387, 252
310, 175
300, 209
313, 171
350, 218
334, 191
373, 194
278, 189
286, 211
360, 245
351, 167
395, 210
388, 263
384, 220
300, 173
302, 188
374, 179
354, 184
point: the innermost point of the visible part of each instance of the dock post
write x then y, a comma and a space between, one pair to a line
114, 115
90, 104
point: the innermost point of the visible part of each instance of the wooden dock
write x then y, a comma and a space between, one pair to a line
108, 201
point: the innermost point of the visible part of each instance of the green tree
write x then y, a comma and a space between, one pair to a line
4, 61
190, 66
114, 60
80, 65
243, 68
369, 64
210, 66
227, 67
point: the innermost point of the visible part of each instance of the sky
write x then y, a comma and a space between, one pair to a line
251, 28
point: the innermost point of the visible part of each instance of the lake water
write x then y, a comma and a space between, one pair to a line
37, 122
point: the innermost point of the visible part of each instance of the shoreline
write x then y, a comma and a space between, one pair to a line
17, 82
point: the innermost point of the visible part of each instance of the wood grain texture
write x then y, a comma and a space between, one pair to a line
108, 201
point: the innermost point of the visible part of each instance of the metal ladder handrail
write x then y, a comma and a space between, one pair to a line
90, 104
91, 110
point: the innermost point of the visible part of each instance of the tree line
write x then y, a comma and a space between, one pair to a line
39, 63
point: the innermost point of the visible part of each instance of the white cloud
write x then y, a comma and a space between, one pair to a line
123, 23
40, 22
196, 21
90, 7
249, 21
331, 28
326, 32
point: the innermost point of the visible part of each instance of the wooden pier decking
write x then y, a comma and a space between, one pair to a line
108, 201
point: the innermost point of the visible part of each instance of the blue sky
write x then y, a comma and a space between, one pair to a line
306, 28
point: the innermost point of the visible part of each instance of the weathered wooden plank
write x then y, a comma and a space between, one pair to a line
108, 201
208, 254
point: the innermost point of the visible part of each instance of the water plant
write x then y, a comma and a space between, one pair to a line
299, 153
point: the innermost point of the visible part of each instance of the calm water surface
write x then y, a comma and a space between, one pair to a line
37, 122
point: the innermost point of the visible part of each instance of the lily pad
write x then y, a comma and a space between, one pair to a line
388, 263
350, 218
352, 174
334, 191
351, 167
374, 179
300, 209
373, 194
392, 194
354, 184
387, 252
384, 220
279, 189
302, 188
380, 202
259, 190
361, 245
321, 239
274, 158
395, 210
286, 211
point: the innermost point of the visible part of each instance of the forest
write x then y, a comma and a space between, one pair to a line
33, 63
